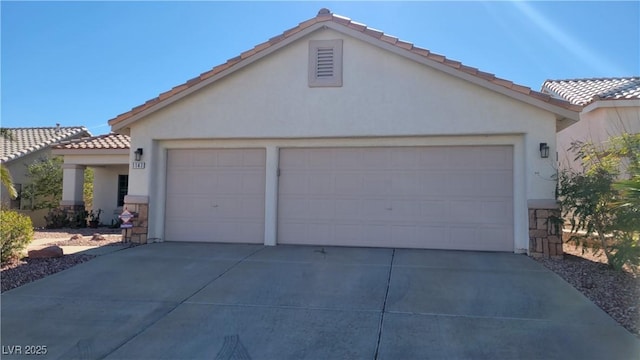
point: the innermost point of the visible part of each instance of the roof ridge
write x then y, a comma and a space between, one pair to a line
325, 15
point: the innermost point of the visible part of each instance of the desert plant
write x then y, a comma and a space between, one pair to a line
94, 218
600, 200
16, 232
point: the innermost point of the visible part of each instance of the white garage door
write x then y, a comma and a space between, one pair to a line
215, 195
450, 197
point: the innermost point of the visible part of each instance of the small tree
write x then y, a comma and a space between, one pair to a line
596, 201
45, 187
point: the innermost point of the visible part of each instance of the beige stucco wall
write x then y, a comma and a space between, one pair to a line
596, 126
105, 191
384, 97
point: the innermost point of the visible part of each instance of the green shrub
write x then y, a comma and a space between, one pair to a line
62, 218
16, 232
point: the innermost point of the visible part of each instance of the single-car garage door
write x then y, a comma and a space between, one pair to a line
449, 197
215, 195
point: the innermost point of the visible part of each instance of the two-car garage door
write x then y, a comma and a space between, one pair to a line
449, 197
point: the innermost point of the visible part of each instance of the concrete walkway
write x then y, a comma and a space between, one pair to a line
216, 301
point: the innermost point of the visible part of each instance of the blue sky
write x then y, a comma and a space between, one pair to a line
83, 63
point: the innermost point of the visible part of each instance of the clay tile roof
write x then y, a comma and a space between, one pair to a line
25, 141
108, 141
325, 15
585, 91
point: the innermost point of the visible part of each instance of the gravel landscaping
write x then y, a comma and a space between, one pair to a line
616, 292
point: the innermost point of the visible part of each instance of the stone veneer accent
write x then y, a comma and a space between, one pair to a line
139, 206
545, 231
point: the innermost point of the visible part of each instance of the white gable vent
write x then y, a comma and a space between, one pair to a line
325, 63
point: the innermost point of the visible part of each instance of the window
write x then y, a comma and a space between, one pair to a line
325, 63
123, 186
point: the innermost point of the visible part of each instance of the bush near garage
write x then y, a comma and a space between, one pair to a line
16, 232
601, 200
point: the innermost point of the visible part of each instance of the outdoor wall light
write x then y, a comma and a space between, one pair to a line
138, 153
544, 150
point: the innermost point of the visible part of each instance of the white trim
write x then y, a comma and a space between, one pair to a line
611, 104
271, 195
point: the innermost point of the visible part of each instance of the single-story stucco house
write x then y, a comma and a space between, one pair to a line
334, 133
24, 147
611, 108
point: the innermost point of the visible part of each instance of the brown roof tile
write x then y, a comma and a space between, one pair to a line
108, 141
325, 16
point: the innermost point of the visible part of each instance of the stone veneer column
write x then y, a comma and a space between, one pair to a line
139, 206
545, 229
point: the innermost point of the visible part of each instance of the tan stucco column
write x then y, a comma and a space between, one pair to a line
72, 184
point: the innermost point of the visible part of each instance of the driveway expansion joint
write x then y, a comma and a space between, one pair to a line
177, 304
384, 306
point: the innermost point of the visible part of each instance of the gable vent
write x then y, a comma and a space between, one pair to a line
325, 63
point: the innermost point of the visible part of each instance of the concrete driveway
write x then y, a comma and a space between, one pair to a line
217, 301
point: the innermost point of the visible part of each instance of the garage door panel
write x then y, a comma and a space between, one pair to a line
423, 197
376, 158
375, 182
321, 159
434, 184
215, 195
347, 183
407, 183
405, 158
348, 209
293, 183
321, 209
434, 210
322, 184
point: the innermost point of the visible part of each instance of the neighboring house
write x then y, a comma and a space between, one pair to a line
29, 145
334, 133
611, 108
108, 155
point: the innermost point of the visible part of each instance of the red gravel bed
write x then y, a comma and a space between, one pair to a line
20, 272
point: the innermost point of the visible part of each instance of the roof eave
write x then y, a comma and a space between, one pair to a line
614, 103
90, 151
118, 126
